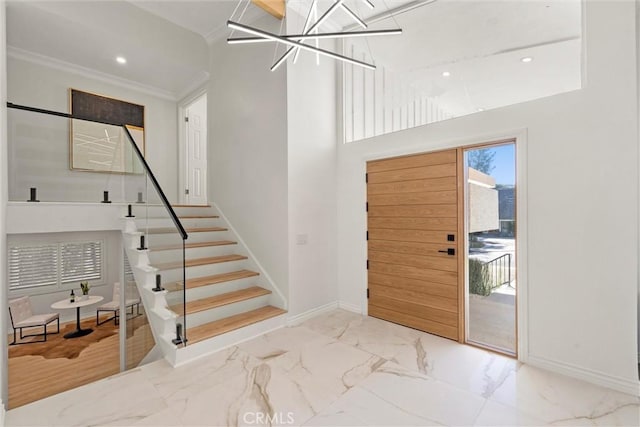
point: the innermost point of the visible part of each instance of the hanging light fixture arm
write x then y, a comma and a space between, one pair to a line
300, 37
355, 17
306, 25
319, 22
294, 44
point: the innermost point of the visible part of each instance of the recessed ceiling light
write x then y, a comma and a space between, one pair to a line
121, 59
480, 109
446, 74
526, 59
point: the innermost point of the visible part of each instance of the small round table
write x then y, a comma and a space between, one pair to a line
66, 304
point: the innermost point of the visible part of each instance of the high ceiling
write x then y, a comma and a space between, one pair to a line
205, 17
480, 46
208, 17
162, 56
165, 41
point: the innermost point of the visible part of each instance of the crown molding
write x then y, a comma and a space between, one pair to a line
91, 73
195, 86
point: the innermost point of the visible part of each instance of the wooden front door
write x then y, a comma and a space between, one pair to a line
413, 241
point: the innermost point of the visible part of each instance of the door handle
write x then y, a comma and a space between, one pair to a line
449, 251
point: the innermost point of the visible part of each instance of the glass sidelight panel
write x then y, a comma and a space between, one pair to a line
491, 248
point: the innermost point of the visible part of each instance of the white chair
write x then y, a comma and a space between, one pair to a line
113, 306
22, 317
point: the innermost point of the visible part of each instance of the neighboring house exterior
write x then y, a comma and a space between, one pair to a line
507, 203
483, 202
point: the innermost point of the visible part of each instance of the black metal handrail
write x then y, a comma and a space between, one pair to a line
163, 197
497, 267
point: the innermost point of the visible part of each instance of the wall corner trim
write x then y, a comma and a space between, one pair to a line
299, 318
354, 308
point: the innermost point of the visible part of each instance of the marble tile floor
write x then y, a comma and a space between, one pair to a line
337, 369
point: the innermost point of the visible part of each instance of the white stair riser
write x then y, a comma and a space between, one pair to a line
157, 210
211, 290
194, 211
202, 271
140, 210
217, 313
173, 238
191, 253
165, 222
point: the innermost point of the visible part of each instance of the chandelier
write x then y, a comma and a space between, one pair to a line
310, 32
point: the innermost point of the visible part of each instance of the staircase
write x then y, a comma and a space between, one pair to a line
229, 297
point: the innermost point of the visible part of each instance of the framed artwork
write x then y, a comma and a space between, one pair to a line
99, 147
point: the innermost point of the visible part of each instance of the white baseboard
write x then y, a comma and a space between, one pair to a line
354, 308
615, 383
299, 318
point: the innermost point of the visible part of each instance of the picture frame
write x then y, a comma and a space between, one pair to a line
97, 147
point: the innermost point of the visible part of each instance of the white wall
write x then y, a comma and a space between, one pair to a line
3, 207
248, 149
312, 148
582, 206
638, 104
37, 85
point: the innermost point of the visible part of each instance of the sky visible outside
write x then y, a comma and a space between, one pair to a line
504, 161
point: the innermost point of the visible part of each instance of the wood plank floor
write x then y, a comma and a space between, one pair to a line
40, 370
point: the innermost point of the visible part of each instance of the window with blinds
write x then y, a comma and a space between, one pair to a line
36, 265
33, 265
80, 261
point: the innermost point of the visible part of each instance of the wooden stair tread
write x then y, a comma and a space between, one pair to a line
212, 280
193, 245
166, 230
198, 216
220, 300
199, 261
228, 324
190, 206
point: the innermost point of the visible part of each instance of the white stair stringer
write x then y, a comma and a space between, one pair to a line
162, 319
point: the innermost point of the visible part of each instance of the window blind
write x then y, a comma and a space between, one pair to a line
33, 265
80, 261
46, 264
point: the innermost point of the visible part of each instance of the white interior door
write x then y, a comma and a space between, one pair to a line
196, 152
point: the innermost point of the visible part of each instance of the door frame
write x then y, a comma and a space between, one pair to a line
182, 139
519, 137
465, 257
